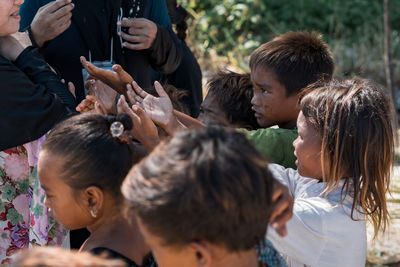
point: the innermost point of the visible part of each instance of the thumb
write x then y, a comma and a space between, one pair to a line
71, 88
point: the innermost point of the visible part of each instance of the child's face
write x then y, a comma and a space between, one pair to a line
211, 113
307, 148
168, 255
60, 198
270, 103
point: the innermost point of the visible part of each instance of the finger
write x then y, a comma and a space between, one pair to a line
125, 22
160, 90
279, 207
123, 75
139, 91
89, 83
138, 31
99, 108
62, 81
130, 38
140, 23
282, 231
62, 11
64, 19
276, 193
71, 88
130, 93
138, 46
55, 5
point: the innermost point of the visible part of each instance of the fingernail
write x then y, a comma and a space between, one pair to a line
274, 225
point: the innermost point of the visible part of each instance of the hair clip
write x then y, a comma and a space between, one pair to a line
117, 130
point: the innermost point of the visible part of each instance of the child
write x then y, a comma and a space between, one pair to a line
204, 199
280, 69
58, 257
227, 102
81, 167
345, 147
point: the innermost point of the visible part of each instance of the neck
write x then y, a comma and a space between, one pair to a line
119, 234
288, 125
240, 259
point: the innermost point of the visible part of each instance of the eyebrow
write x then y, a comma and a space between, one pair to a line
263, 85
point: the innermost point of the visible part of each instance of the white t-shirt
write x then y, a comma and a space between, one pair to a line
321, 231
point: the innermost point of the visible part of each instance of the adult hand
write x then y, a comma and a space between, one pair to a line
282, 208
117, 79
141, 34
103, 92
91, 104
11, 46
144, 130
51, 20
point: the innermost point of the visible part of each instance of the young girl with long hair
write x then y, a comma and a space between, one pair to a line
82, 165
345, 152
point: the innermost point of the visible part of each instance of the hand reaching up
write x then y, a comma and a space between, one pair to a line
103, 92
144, 130
91, 104
117, 79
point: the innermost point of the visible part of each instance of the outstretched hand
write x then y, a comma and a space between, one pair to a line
144, 130
282, 208
116, 79
103, 92
159, 109
91, 104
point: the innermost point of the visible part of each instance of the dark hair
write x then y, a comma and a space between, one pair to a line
297, 58
90, 154
355, 120
178, 15
233, 92
203, 185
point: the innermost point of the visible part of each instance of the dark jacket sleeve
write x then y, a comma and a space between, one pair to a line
165, 53
30, 104
35, 67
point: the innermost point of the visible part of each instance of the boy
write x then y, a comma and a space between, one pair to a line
227, 102
204, 199
280, 69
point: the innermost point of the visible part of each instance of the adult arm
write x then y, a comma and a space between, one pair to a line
29, 106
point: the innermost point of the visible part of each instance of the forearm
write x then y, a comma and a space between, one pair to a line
187, 121
38, 71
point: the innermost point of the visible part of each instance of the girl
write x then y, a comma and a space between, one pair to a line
81, 167
345, 149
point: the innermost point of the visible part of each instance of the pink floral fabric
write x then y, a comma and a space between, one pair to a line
24, 220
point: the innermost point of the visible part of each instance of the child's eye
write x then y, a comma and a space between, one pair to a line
265, 92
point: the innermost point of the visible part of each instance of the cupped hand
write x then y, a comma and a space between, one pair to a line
144, 130
282, 208
51, 20
141, 34
116, 79
91, 104
103, 92
11, 46
159, 109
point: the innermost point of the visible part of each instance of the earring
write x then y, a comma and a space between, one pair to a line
93, 214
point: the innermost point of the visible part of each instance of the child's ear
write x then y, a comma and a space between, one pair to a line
203, 253
94, 198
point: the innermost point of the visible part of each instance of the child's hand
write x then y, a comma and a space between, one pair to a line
282, 208
144, 130
91, 104
103, 92
117, 79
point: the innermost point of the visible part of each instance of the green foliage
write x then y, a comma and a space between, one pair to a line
236, 27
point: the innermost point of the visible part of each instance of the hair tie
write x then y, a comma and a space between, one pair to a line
118, 131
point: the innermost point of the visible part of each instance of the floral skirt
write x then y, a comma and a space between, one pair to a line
23, 216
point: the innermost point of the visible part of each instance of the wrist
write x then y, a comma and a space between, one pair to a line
35, 38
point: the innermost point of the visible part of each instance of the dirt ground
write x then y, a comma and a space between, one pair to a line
385, 250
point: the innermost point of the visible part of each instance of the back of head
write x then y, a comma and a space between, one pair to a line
297, 58
356, 123
58, 257
233, 92
91, 155
208, 185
